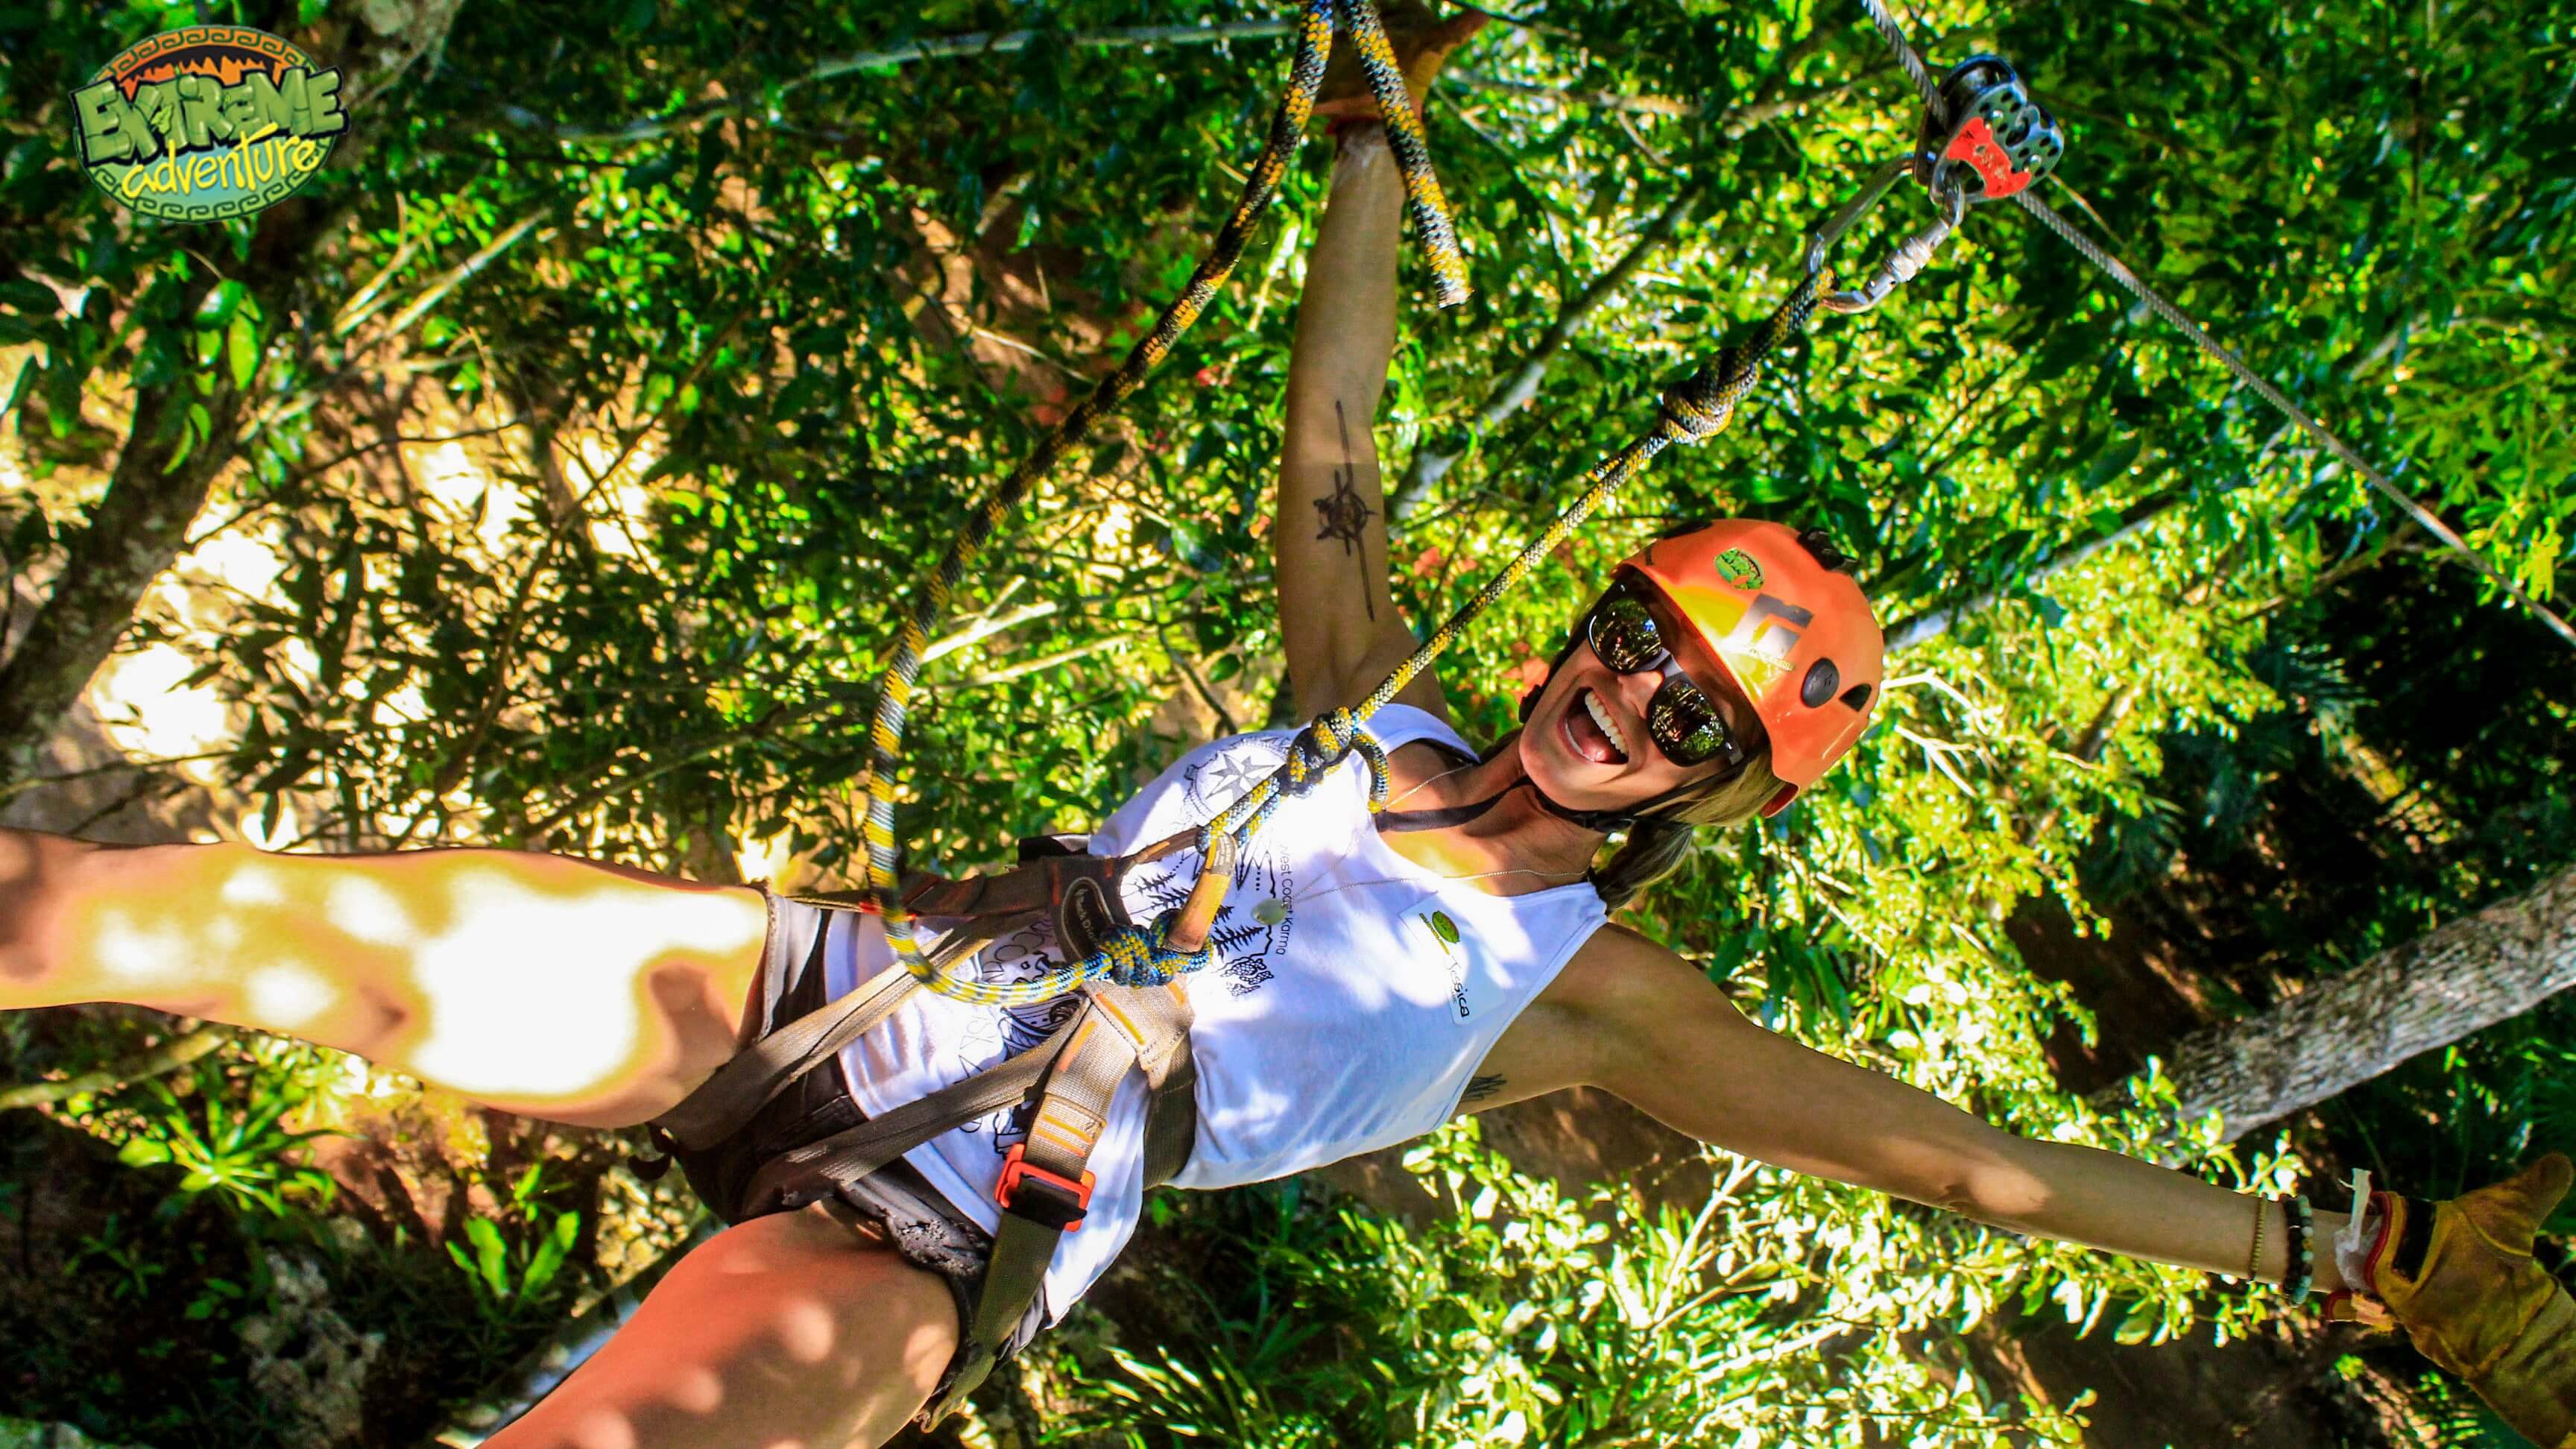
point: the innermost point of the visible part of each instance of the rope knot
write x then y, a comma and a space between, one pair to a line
1326, 741
1698, 406
1133, 957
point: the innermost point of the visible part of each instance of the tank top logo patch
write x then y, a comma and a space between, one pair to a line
1452, 953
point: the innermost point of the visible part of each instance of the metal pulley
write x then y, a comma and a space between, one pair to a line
1984, 141
1987, 137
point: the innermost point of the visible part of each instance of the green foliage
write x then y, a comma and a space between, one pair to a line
1527, 1317
232, 1145
512, 1261
755, 363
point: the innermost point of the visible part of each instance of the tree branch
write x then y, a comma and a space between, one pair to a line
167, 1057
1429, 465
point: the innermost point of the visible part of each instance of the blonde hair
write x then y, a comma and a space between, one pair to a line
1656, 847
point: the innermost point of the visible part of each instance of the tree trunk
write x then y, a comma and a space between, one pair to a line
2466, 975
140, 524
134, 533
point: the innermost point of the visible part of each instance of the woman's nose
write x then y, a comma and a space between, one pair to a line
1637, 691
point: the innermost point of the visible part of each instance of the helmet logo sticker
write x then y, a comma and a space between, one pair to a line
1770, 628
1738, 568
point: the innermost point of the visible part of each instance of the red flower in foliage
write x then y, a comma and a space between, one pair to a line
1527, 675
1427, 563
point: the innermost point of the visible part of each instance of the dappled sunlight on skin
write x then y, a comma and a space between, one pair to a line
542, 984
790, 1330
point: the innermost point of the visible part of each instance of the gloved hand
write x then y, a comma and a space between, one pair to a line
2460, 1279
1422, 43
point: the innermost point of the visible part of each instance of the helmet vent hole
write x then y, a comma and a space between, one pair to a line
1857, 696
1822, 677
1821, 547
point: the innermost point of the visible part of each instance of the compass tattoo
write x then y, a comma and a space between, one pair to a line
1346, 513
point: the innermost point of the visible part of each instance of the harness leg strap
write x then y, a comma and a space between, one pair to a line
1119, 1030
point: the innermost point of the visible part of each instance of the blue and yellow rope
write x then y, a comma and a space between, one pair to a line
903, 671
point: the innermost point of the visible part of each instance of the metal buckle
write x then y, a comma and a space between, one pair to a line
1056, 1201
1987, 121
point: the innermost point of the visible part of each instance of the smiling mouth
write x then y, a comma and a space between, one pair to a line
1592, 732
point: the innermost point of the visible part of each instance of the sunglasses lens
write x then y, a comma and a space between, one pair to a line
1685, 726
1624, 633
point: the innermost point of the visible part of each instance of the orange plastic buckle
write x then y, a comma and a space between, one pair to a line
1056, 1201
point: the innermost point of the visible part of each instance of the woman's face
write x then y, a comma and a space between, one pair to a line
1585, 743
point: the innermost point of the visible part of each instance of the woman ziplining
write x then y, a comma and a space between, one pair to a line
1379, 971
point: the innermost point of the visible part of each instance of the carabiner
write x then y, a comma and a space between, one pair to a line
1853, 210
1909, 258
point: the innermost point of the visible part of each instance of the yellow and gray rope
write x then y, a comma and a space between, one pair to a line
1412, 155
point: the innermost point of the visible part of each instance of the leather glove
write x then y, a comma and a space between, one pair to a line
1422, 43
2460, 1279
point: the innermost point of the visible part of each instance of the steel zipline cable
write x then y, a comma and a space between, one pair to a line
1893, 31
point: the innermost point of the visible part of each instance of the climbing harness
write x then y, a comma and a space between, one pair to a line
1982, 139
1132, 1014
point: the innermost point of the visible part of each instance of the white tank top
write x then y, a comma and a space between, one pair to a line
1350, 1022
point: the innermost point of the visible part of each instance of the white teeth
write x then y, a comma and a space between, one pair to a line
1609, 727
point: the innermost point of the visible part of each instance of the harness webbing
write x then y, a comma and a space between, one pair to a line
1139, 961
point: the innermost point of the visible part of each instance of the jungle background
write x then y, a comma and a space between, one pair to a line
549, 473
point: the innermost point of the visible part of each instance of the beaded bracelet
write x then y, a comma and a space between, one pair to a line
2254, 1254
2299, 1272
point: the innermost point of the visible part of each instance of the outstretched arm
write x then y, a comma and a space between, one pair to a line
1663, 1037
1337, 617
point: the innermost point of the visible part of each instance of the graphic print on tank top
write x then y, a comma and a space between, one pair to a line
1251, 931
1024, 955
1249, 939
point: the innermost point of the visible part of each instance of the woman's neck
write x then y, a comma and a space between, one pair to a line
1516, 834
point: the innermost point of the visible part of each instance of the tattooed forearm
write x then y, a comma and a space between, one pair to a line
1346, 513
1481, 1089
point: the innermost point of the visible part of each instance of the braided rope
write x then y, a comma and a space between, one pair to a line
1696, 409
1412, 149
903, 672
1133, 956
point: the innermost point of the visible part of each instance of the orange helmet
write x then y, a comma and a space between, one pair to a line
1792, 631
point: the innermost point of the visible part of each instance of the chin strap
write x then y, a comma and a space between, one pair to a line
1604, 821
